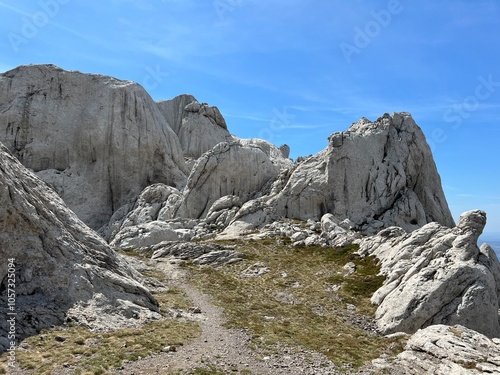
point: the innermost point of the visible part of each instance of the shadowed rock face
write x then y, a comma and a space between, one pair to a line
63, 269
376, 171
97, 140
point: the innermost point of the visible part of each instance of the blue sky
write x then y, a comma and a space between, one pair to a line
296, 71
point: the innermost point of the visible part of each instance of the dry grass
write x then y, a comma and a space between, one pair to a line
296, 302
211, 369
92, 353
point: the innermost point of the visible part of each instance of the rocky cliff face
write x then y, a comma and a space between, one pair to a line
376, 174
100, 141
110, 151
63, 270
97, 140
246, 170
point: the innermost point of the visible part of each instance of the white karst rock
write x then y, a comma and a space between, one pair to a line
97, 140
444, 350
63, 269
198, 126
376, 174
243, 168
437, 275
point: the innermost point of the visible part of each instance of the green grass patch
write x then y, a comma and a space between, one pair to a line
303, 300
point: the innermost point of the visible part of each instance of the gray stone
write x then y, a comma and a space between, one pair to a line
201, 253
199, 126
444, 350
174, 110
148, 234
382, 170
285, 151
436, 275
63, 269
97, 140
227, 169
152, 204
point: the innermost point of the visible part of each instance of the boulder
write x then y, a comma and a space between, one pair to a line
148, 234
97, 140
200, 253
276, 155
381, 171
223, 210
152, 204
436, 275
444, 350
252, 215
63, 270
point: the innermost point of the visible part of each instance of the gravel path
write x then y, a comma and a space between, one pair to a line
227, 349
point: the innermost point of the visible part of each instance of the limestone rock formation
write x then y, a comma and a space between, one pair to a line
199, 253
437, 275
228, 169
63, 269
153, 203
174, 110
444, 350
199, 126
376, 174
97, 140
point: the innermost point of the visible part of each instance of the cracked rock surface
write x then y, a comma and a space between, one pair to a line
63, 269
444, 350
437, 275
380, 171
97, 140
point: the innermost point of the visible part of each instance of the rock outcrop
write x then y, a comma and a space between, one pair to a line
199, 126
97, 140
376, 174
234, 168
444, 350
63, 269
199, 253
100, 141
437, 275
155, 202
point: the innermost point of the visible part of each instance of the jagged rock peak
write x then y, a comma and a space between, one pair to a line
63, 269
97, 140
376, 174
199, 126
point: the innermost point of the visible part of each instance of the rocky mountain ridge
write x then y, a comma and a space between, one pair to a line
158, 175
